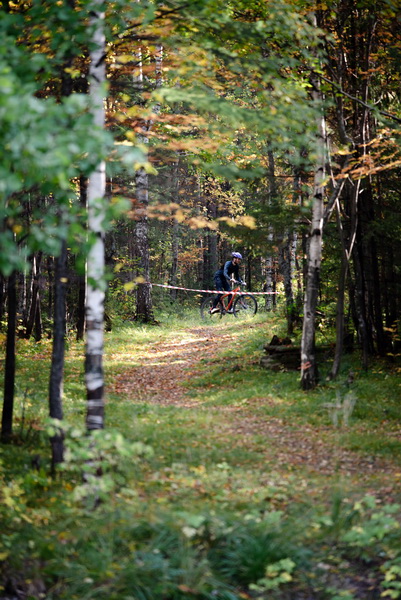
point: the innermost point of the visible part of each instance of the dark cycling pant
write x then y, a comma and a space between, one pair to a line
221, 284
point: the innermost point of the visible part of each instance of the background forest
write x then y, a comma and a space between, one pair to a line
143, 142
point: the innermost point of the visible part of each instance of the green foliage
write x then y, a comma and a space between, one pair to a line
234, 41
44, 146
245, 551
47, 143
105, 462
379, 528
276, 574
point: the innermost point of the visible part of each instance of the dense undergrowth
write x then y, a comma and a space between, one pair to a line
253, 489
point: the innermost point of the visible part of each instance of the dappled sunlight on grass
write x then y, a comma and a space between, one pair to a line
204, 448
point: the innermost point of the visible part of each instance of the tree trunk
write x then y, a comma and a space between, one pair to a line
36, 266
95, 265
309, 369
38, 321
210, 242
360, 307
390, 288
286, 259
9, 371
2, 296
83, 189
50, 286
22, 298
144, 309
269, 282
340, 323
174, 257
270, 236
57, 364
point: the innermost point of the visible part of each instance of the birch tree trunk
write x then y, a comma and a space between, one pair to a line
309, 369
95, 265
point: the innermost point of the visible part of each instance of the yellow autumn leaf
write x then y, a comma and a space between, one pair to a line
179, 216
129, 286
247, 221
124, 58
74, 73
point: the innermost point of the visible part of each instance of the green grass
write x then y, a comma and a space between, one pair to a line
251, 459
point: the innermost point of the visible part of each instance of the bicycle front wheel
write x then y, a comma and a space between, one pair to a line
245, 306
206, 310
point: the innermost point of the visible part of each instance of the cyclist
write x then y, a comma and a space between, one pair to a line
223, 276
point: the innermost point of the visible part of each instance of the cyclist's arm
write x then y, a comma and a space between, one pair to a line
227, 275
238, 279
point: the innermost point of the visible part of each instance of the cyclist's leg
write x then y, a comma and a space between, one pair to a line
221, 285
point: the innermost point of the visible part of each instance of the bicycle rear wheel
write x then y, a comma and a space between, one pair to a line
245, 306
206, 308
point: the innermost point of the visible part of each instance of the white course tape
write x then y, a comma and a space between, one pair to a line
174, 287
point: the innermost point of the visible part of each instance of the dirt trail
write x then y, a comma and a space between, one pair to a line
169, 365
160, 379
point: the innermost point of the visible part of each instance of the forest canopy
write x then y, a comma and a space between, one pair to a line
148, 140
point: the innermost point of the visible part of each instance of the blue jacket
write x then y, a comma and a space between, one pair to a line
228, 270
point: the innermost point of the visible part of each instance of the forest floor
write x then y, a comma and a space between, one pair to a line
217, 456
190, 369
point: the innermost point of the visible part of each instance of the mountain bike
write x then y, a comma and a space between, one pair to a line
240, 304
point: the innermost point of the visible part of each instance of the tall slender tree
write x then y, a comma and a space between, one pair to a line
94, 377
144, 310
58, 351
309, 369
9, 372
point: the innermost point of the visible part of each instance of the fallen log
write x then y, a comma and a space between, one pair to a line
282, 355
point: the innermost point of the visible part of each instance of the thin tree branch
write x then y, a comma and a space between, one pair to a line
332, 201
365, 104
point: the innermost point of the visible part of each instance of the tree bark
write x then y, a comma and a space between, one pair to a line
38, 321
309, 369
270, 236
340, 322
144, 308
2, 297
360, 307
36, 267
9, 371
286, 258
83, 189
94, 379
58, 350
174, 257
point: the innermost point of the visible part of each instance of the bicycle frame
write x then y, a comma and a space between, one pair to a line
232, 294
